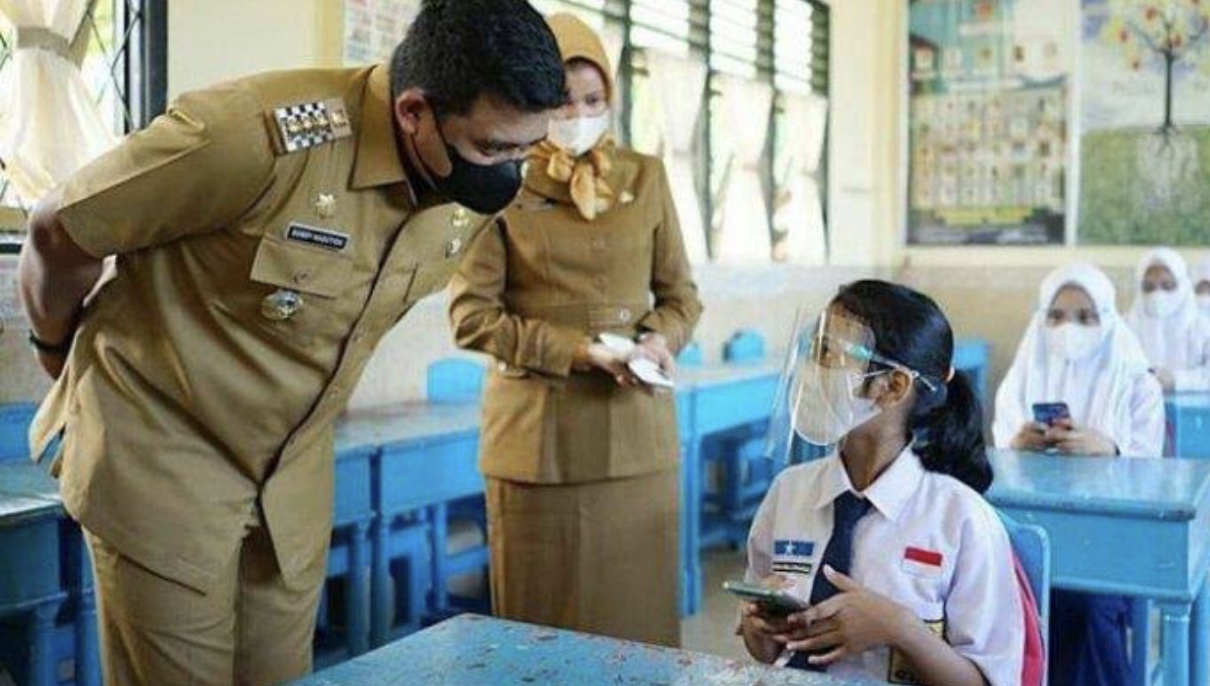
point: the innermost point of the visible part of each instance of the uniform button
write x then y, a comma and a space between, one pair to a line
502, 366
624, 315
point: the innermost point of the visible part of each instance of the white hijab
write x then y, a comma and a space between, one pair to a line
1098, 389
1166, 340
1201, 273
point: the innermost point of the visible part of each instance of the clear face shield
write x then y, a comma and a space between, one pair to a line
823, 393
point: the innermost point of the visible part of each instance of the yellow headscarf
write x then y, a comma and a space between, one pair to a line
584, 175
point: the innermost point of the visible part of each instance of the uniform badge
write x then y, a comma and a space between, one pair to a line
793, 557
315, 236
308, 124
281, 304
921, 562
325, 205
460, 219
453, 247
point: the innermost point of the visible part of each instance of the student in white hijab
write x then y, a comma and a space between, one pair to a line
1165, 317
1079, 351
1201, 286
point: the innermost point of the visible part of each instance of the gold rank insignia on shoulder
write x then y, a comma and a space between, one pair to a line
308, 124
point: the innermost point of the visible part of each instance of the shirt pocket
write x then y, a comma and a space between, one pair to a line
301, 293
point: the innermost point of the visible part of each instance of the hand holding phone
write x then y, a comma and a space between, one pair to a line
1051, 414
770, 600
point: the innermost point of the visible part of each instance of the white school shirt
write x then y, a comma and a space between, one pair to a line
929, 543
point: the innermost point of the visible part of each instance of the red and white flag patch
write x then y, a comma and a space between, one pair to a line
921, 562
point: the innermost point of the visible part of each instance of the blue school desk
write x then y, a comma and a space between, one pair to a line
1189, 420
426, 457
44, 568
471, 650
713, 399
1133, 527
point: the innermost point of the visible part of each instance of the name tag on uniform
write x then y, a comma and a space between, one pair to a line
320, 238
793, 557
921, 562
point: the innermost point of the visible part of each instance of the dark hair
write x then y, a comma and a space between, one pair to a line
458, 50
947, 419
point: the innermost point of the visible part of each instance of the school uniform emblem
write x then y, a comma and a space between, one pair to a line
793, 557
921, 562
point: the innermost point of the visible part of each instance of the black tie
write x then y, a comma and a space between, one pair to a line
847, 510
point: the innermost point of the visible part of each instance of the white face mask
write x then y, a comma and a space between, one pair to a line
1161, 303
580, 134
1072, 342
829, 405
1203, 303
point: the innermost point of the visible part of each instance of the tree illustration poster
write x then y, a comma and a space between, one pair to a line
1145, 122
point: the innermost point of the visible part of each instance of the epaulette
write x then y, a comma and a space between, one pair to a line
308, 124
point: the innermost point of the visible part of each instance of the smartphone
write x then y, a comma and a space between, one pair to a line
770, 600
1050, 413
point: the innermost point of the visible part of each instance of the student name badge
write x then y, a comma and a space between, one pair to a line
793, 556
921, 562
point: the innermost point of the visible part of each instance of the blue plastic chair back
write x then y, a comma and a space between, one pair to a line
745, 345
691, 355
455, 380
1032, 546
14, 430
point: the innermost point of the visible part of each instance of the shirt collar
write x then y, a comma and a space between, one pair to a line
888, 494
378, 161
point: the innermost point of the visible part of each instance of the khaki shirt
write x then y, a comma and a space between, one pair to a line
200, 393
540, 282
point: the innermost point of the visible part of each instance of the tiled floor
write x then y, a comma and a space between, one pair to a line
712, 630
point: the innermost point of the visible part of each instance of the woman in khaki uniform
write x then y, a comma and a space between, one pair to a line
580, 457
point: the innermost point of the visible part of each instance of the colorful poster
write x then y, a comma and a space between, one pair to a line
987, 122
1145, 122
374, 27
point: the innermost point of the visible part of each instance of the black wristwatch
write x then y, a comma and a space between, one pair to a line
60, 349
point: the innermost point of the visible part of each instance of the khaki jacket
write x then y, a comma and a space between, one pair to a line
266, 238
543, 280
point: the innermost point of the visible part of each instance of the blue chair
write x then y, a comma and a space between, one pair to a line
691, 355
454, 380
1032, 547
744, 475
973, 356
14, 430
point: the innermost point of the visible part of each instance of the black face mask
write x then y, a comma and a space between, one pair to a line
482, 188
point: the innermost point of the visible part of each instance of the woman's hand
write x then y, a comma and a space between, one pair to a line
1031, 437
849, 623
654, 347
1069, 439
598, 356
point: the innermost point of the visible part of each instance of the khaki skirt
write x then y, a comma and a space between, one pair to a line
599, 557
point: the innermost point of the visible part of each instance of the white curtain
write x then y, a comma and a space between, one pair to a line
798, 210
741, 216
679, 84
49, 123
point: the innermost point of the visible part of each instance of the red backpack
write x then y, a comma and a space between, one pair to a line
1033, 667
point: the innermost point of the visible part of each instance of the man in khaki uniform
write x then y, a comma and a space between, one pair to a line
267, 233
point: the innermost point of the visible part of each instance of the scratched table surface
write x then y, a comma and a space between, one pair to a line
476, 650
26, 491
404, 422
